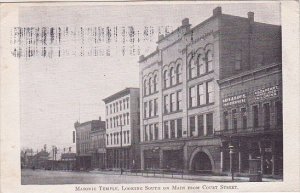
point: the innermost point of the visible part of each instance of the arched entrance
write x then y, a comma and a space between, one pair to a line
201, 163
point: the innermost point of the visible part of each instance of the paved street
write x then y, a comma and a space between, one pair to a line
64, 177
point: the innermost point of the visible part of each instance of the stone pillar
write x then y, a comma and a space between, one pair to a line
161, 158
185, 158
221, 157
142, 159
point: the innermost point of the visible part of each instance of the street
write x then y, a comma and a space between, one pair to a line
64, 177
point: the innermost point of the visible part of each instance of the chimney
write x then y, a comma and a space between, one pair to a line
160, 37
217, 11
251, 16
185, 22
141, 57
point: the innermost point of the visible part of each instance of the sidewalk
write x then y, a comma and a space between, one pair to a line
209, 178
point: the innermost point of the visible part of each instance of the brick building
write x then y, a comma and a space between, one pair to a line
122, 129
84, 146
180, 92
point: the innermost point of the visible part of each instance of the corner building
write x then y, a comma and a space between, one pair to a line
180, 92
122, 129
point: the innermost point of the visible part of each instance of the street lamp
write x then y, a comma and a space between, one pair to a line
231, 152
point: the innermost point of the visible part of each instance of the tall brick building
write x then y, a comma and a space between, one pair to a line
122, 129
180, 91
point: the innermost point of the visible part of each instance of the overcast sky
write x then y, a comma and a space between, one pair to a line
57, 92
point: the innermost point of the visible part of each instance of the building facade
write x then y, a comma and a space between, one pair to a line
84, 146
180, 91
122, 129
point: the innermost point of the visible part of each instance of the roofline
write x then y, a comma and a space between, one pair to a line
119, 94
148, 56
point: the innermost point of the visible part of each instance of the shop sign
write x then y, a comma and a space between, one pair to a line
266, 93
234, 100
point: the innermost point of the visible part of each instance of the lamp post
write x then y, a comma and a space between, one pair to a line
231, 152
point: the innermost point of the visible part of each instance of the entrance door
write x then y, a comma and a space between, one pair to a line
201, 163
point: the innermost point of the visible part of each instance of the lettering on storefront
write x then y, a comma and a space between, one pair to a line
266, 93
234, 100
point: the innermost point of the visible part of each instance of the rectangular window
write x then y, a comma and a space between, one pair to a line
145, 109
117, 106
155, 107
209, 124
201, 94
192, 126
193, 97
120, 105
244, 118
114, 122
111, 139
166, 103
150, 108
110, 108
173, 102
124, 136
146, 132
156, 131
278, 111
107, 123
166, 129
124, 103
172, 127
121, 120
267, 115
210, 92
226, 123
151, 132
124, 119
179, 100
107, 141
114, 107
127, 103
234, 119
255, 116
179, 128
200, 125
127, 118
128, 137
106, 110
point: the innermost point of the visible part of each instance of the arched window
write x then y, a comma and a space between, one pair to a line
200, 64
193, 68
145, 87
155, 82
173, 76
150, 85
209, 61
166, 79
179, 73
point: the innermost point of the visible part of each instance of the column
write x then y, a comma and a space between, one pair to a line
142, 159
273, 158
161, 158
240, 157
221, 158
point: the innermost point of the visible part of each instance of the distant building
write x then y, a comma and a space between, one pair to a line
84, 143
181, 108
122, 129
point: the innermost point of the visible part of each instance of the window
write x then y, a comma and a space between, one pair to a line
128, 137
124, 137
117, 138
244, 118
192, 126
155, 82
117, 106
111, 122
150, 86
111, 139
114, 107
107, 123
145, 87
121, 120
201, 65
226, 123
127, 103
106, 110
172, 128
110, 107
173, 102
124, 118
166, 103
127, 118
120, 105
124, 104
156, 131
166, 129
145, 109
193, 68
173, 76
146, 132
193, 98
267, 115
155, 107
209, 124
117, 120
114, 122
210, 92
234, 119
209, 58
179, 128
278, 111
114, 138
151, 132
255, 116
238, 60
179, 73
179, 100
150, 108
201, 100
200, 125
166, 79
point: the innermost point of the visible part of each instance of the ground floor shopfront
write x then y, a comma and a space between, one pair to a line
126, 158
83, 162
197, 155
98, 160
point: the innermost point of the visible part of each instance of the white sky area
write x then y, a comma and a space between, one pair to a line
56, 92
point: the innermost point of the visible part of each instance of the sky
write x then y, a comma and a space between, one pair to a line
55, 92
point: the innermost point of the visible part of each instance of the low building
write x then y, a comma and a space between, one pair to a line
122, 129
84, 143
98, 149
